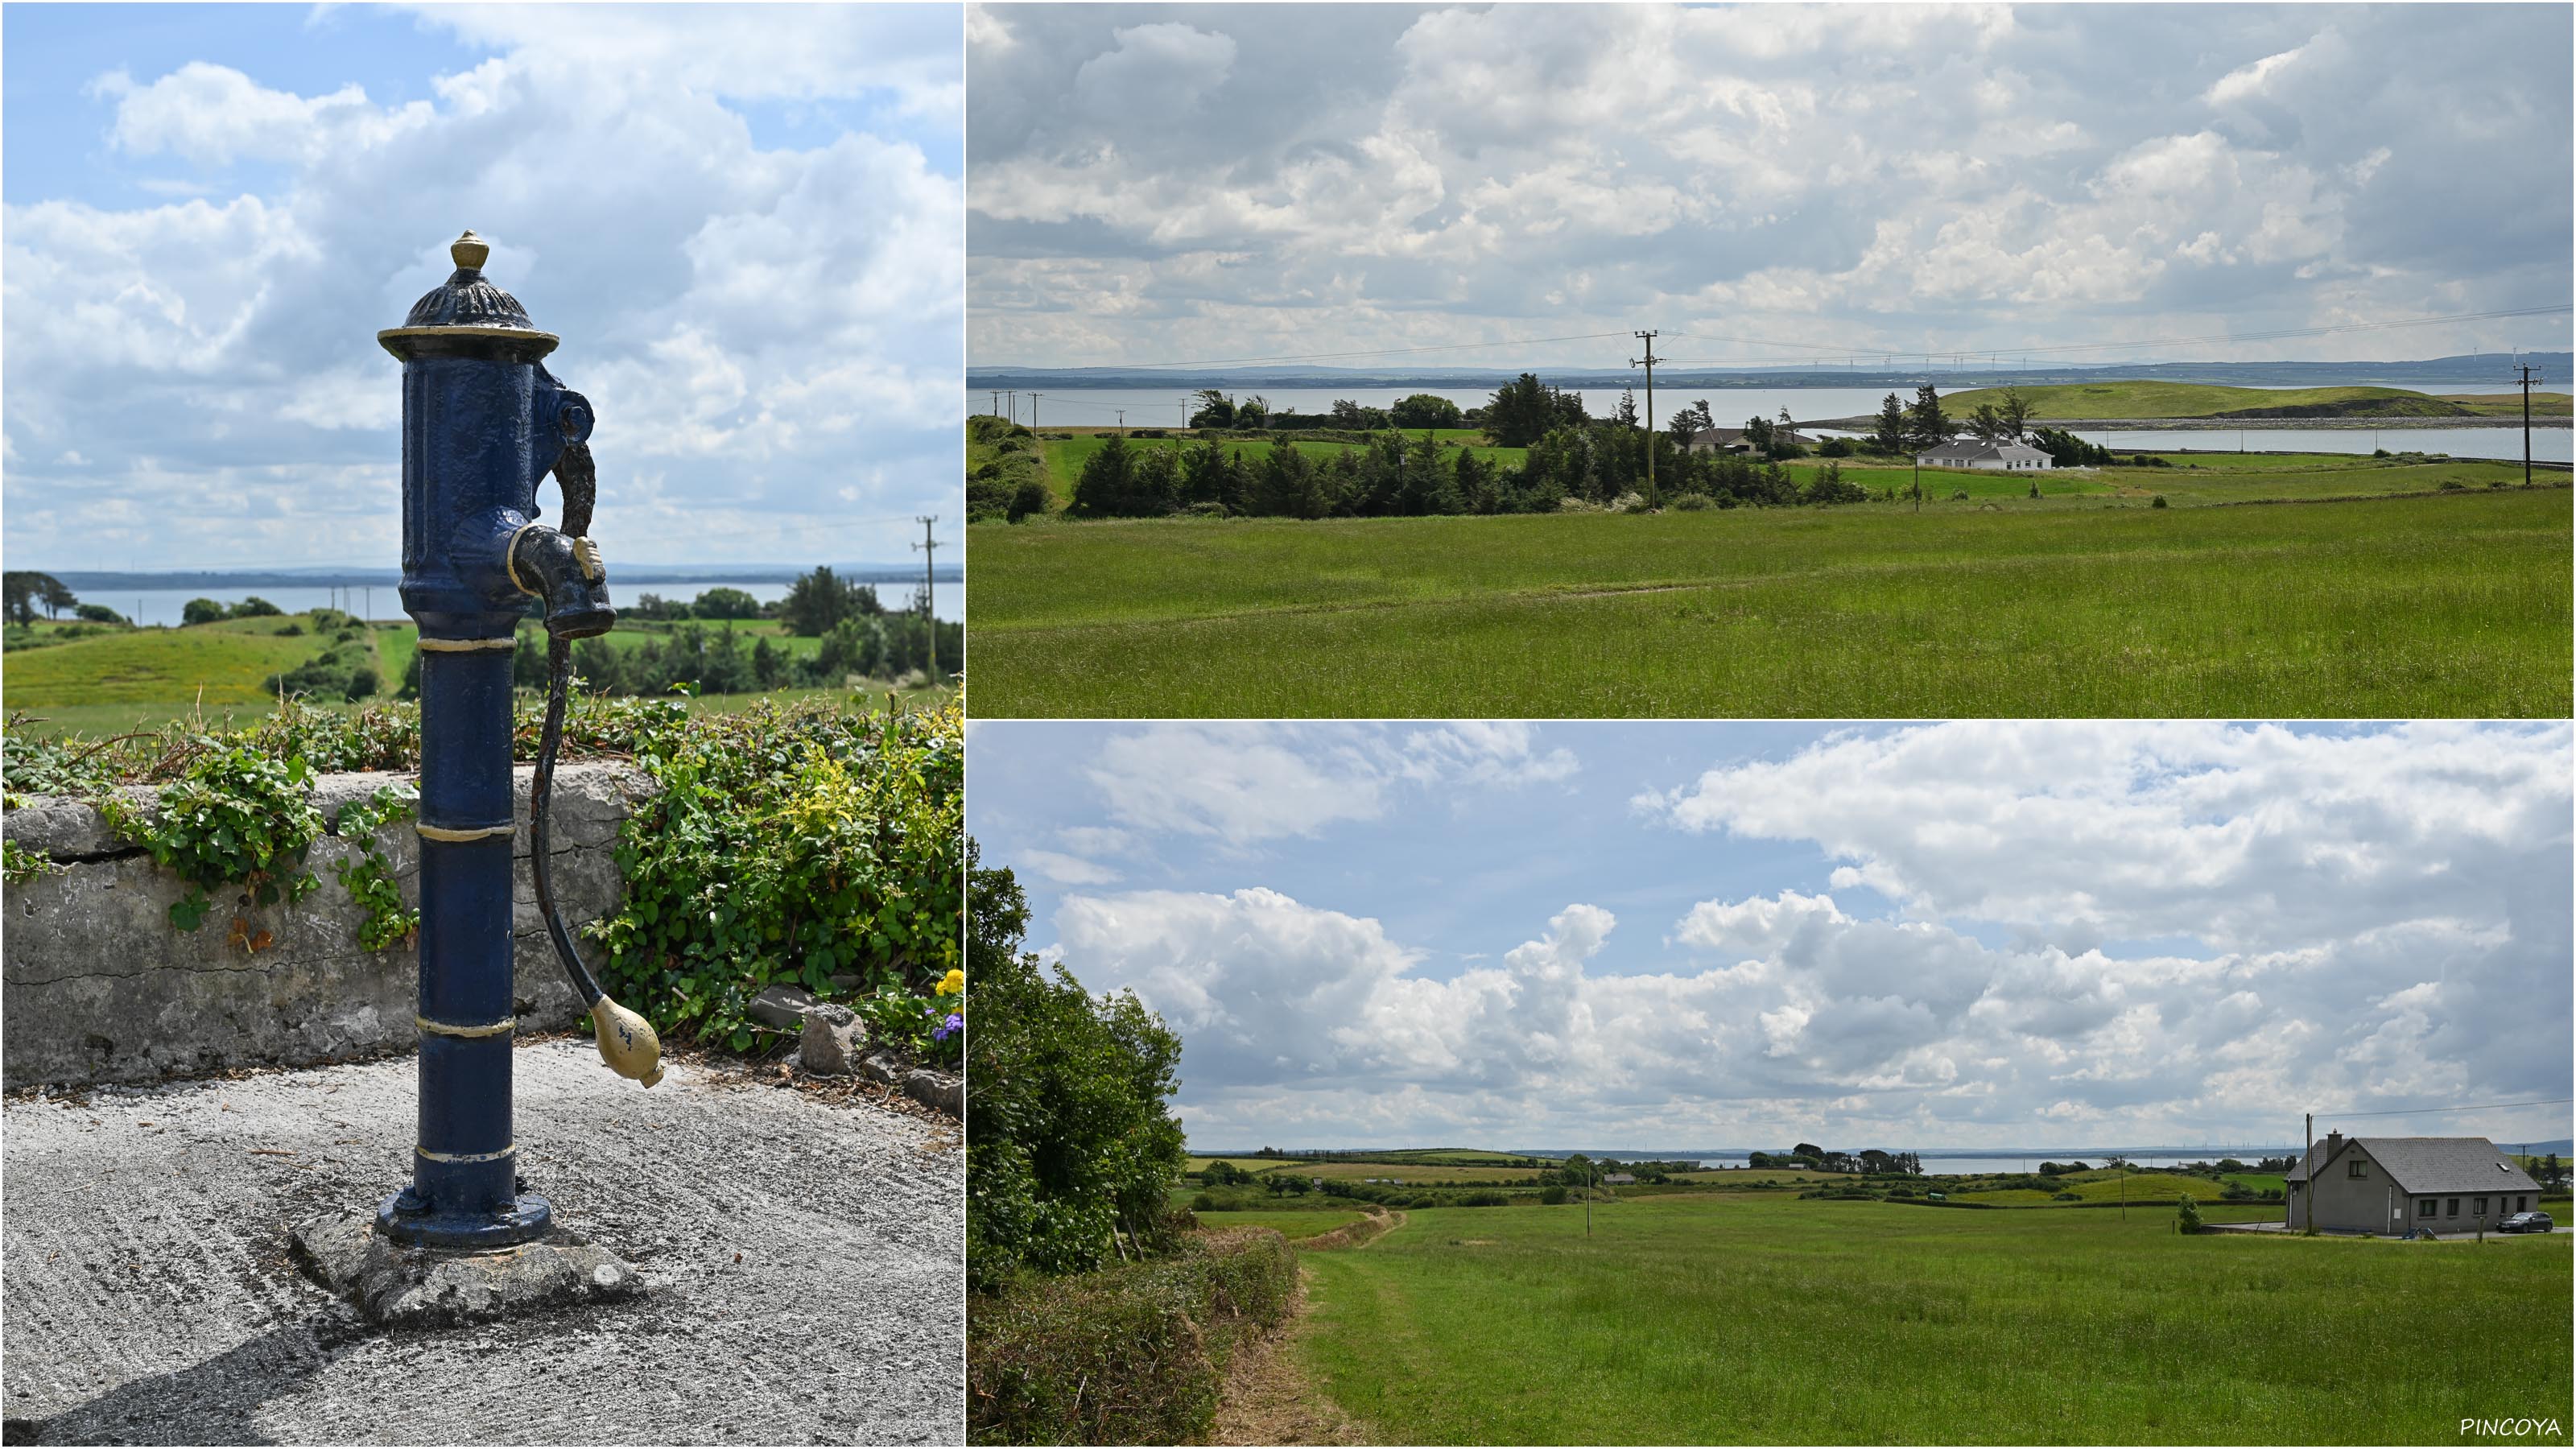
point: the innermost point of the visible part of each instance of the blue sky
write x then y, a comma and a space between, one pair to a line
1970, 934
1766, 184
743, 221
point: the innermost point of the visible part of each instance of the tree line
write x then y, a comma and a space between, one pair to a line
1400, 475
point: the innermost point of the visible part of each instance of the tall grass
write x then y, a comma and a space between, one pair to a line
1128, 1355
1714, 1320
2448, 605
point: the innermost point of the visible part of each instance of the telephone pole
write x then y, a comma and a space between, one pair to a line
2530, 375
1185, 412
1648, 362
1014, 395
929, 619
997, 402
1033, 410
1122, 420
2308, 1189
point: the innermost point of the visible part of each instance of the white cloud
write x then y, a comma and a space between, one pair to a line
770, 331
2337, 919
2252, 80
1931, 179
1245, 783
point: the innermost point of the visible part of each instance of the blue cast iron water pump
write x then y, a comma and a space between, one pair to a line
483, 423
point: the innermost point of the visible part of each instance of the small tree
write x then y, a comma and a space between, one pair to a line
2187, 1212
1889, 434
725, 603
1426, 410
200, 611
1926, 426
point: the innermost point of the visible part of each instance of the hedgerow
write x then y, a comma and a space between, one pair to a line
1131, 1354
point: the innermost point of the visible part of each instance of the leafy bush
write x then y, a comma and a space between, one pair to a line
2159, 501
791, 844
370, 878
1553, 1196
237, 817
1132, 1354
2187, 1212
1071, 1140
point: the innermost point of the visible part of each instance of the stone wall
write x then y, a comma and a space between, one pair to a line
101, 987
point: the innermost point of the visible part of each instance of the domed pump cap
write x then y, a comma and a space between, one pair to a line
467, 314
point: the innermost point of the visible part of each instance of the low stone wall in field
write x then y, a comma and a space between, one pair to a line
101, 987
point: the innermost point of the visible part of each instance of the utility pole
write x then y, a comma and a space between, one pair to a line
997, 402
1014, 395
930, 620
1033, 410
1122, 420
1918, 482
1185, 412
1647, 362
2530, 375
2308, 1189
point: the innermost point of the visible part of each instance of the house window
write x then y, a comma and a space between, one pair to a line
2451, 1208
2357, 1168
2424, 1207
2479, 1209
2522, 1204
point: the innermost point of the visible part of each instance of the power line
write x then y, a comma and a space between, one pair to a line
2430, 1111
1956, 356
1813, 348
1377, 351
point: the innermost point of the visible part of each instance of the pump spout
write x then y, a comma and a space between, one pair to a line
567, 573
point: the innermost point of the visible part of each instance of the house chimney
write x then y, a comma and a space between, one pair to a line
2334, 1144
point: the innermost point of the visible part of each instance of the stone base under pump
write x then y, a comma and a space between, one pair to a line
393, 1284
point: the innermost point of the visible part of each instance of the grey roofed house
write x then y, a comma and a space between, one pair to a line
2391, 1184
1731, 440
2006, 457
1620, 1179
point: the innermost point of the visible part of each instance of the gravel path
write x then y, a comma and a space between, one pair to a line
802, 1260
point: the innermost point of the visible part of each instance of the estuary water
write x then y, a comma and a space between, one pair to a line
1099, 407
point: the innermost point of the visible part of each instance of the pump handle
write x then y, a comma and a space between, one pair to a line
578, 477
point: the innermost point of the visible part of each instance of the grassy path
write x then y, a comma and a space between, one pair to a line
1708, 1319
2447, 605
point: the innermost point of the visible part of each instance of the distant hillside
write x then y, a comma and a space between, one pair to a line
2136, 398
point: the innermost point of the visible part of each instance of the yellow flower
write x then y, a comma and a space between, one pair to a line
952, 984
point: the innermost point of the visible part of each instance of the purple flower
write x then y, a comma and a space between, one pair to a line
955, 1023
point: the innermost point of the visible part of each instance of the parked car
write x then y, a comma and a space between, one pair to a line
2528, 1223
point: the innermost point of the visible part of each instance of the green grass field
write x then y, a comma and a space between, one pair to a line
2455, 604
1710, 1320
227, 660
1295, 1224
2203, 400
142, 679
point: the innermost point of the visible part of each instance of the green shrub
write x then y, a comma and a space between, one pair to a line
239, 816
793, 844
1132, 1354
1071, 1140
2187, 1212
1552, 1196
